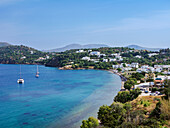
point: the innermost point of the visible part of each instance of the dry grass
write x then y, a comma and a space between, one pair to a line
138, 103
165, 108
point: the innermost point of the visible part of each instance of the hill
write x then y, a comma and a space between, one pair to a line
14, 54
76, 46
3, 44
143, 48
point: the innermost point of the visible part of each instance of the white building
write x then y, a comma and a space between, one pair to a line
115, 54
144, 66
80, 51
47, 57
95, 60
137, 56
117, 66
152, 54
95, 53
86, 58
24, 57
134, 65
142, 70
118, 56
126, 69
112, 60
158, 69
120, 59
102, 55
105, 60
32, 52
163, 67
40, 58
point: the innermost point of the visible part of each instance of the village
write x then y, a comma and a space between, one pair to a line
153, 77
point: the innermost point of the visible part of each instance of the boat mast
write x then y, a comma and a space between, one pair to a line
20, 71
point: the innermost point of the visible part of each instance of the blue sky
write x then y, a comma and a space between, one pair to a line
47, 24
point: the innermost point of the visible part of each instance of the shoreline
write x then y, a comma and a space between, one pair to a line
112, 72
93, 109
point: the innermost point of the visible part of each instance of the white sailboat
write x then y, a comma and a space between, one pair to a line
37, 73
20, 80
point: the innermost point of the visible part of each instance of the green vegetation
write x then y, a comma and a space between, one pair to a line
131, 111
26, 55
112, 115
137, 75
125, 96
75, 59
20, 55
90, 123
129, 83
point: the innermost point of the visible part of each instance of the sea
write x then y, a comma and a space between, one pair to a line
57, 99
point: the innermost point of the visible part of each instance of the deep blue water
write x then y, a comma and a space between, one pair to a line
58, 98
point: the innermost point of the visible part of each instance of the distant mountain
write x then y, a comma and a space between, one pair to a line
76, 46
3, 44
143, 48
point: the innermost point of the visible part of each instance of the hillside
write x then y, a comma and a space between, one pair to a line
3, 44
15, 54
76, 46
143, 48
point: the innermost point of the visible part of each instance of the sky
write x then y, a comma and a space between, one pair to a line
49, 24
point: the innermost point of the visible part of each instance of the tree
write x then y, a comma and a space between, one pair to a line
129, 83
113, 115
119, 69
90, 123
126, 96
137, 75
127, 86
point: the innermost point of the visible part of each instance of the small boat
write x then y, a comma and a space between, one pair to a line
20, 80
37, 73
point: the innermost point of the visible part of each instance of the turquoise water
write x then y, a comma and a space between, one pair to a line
57, 99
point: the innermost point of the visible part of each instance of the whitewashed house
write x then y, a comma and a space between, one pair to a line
32, 52
138, 56
86, 58
95, 53
105, 60
163, 67
117, 66
144, 66
134, 65
102, 55
112, 60
24, 57
152, 54
80, 51
47, 57
115, 54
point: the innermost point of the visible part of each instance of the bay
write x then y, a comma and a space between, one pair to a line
58, 98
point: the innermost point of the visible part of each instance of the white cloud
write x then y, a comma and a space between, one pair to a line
158, 20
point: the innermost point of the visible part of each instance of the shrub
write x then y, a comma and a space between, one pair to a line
129, 83
90, 123
126, 96
165, 109
112, 115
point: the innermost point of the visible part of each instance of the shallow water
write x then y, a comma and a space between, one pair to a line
58, 98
